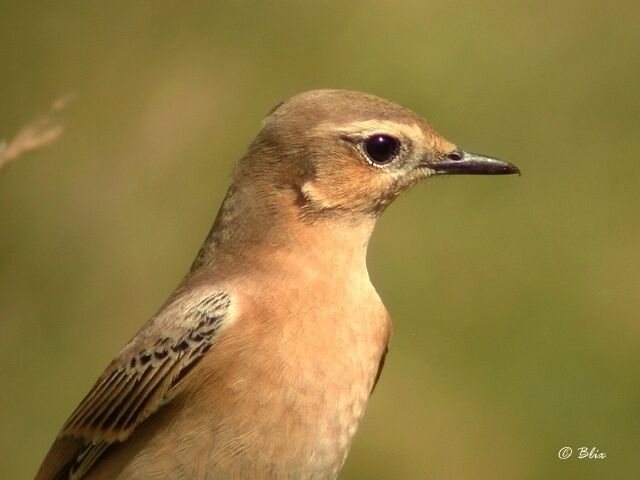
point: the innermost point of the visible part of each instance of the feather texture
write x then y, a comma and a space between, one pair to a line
137, 383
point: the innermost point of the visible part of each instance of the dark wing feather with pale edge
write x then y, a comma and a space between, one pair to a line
138, 382
380, 367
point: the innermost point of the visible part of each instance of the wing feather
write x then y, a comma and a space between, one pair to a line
143, 377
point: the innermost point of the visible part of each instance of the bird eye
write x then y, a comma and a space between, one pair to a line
381, 148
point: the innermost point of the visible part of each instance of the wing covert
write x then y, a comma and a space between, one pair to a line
139, 381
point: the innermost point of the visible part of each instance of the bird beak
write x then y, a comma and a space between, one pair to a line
465, 163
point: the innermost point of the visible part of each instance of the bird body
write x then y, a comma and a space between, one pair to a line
261, 363
262, 401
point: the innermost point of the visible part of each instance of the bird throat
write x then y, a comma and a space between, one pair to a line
251, 223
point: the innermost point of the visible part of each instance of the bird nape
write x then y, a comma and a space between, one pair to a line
261, 362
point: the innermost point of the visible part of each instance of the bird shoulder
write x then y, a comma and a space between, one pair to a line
144, 376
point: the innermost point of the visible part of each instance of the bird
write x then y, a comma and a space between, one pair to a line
260, 364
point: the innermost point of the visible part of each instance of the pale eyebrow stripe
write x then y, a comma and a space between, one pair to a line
368, 127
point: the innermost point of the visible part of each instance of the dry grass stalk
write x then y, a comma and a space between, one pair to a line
37, 134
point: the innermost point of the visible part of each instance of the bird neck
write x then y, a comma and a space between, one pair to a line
259, 223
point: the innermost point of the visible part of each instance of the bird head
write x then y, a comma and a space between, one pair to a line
350, 153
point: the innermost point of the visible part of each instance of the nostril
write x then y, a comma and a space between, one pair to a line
455, 156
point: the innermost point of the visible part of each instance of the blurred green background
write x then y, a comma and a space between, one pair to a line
515, 300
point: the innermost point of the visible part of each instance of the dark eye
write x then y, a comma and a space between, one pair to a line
381, 149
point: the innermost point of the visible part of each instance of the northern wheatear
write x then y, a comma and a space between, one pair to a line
260, 364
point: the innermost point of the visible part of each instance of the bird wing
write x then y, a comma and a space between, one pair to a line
140, 380
380, 367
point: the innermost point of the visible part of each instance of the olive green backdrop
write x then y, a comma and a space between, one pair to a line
515, 300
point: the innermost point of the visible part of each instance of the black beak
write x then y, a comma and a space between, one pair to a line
465, 163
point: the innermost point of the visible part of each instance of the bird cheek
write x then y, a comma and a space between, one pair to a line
314, 196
